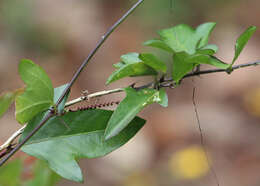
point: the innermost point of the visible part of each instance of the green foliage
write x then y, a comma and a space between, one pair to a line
242, 41
68, 136
156, 43
57, 93
189, 47
38, 94
130, 65
60, 146
134, 102
152, 61
163, 98
7, 99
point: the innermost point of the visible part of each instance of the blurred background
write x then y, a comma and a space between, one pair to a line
58, 35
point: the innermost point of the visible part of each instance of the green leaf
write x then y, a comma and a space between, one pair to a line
57, 93
217, 63
10, 174
206, 59
163, 97
242, 41
130, 58
119, 64
208, 50
156, 43
43, 176
38, 94
203, 31
181, 38
134, 102
152, 61
6, 99
180, 66
60, 147
131, 66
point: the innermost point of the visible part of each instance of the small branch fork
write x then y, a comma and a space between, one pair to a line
52, 112
164, 83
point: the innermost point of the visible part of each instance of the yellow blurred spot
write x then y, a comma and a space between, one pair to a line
252, 102
189, 163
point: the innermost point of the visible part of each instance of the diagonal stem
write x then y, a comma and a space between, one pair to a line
51, 113
93, 52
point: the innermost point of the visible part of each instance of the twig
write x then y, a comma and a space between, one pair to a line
51, 113
102, 93
202, 72
12, 138
97, 94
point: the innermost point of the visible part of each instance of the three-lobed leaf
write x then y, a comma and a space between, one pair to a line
60, 146
38, 94
133, 103
181, 38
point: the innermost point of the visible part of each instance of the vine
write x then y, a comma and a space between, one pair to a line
95, 132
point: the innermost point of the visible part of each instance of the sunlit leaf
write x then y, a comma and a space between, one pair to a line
208, 50
163, 98
242, 41
38, 94
132, 66
57, 93
203, 31
206, 59
154, 62
119, 64
181, 38
156, 43
134, 102
60, 146
130, 58
180, 66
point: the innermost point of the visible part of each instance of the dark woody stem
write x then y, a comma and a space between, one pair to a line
52, 112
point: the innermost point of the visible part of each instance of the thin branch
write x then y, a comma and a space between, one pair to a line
202, 72
235, 67
51, 113
10, 140
97, 94
102, 93
93, 52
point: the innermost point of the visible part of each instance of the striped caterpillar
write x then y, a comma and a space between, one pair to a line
95, 106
